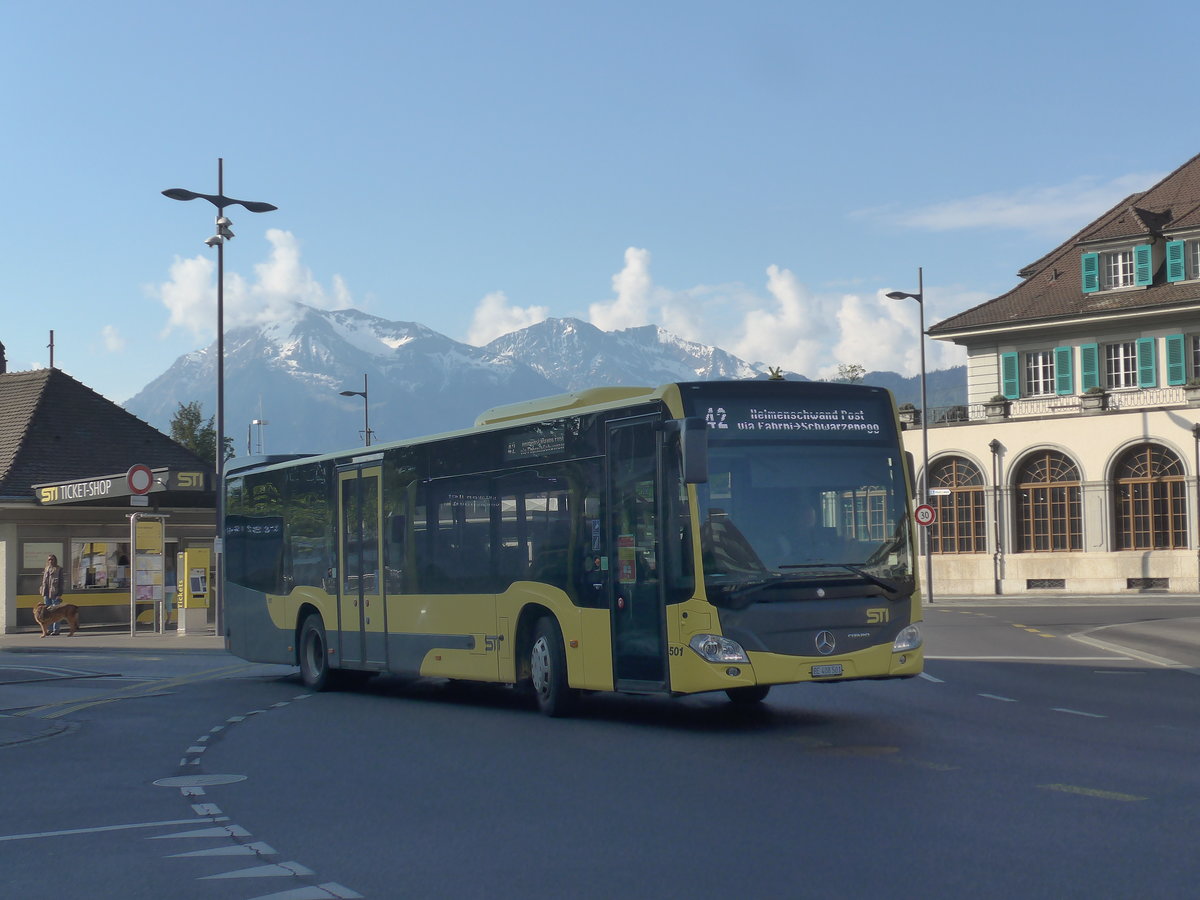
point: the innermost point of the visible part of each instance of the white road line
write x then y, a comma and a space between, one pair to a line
1084, 637
998, 697
258, 848
206, 809
1077, 712
929, 677
290, 869
100, 828
222, 831
328, 891
1029, 658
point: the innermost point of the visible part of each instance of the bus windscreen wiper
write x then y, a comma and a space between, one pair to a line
888, 586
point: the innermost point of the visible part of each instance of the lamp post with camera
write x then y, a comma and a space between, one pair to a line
224, 233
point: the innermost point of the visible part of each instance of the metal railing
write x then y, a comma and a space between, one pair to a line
1142, 398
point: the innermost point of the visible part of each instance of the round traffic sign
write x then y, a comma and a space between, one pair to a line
925, 514
140, 479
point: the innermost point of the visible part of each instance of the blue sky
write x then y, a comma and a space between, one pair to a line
750, 174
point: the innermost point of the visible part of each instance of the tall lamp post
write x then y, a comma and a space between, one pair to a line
919, 296
220, 201
366, 413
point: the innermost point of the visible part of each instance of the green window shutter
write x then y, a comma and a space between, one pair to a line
1090, 272
1010, 376
1143, 264
1147, 363
1176, 268
1064, 376
1176, 359
1089, 366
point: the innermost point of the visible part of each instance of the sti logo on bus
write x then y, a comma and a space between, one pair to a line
878, 616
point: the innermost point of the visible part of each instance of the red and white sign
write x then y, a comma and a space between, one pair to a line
140, 479
925, 515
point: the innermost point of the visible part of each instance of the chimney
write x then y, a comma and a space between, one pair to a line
3, 361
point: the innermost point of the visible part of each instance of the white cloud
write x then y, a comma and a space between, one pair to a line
494, 316
789, 326
634, 303
1052, 210
113, 341
190, 293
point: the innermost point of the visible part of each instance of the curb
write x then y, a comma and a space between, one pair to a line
20, 730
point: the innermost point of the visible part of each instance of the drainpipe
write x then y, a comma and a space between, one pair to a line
998, 556
1196, 515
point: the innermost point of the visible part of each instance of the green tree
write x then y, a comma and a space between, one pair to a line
189, 429
850, 373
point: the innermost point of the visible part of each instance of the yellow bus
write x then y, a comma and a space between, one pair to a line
706, 536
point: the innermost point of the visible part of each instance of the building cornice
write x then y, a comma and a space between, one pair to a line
1091, 321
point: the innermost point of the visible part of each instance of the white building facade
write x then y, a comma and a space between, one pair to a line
1074, 466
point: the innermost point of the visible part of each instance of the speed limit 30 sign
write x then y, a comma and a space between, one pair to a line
925, 514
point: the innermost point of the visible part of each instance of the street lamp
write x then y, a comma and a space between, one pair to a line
220, 201
366, 414
919, 296
260, 423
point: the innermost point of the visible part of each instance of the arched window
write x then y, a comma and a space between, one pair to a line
1049, 505
1151, 500
961, 526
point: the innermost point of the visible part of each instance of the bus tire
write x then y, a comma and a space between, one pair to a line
314, 654
548, 670
745, 696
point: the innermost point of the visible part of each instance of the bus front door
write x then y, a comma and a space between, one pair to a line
639, 648
362, 625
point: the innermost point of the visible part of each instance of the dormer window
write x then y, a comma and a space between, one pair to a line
1120, 267
1116, 269
1183, 260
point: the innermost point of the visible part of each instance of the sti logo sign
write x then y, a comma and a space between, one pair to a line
138, 481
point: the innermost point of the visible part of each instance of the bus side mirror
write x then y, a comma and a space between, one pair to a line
693, 448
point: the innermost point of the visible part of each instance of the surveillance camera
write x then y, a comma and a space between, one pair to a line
214, 240
224, 221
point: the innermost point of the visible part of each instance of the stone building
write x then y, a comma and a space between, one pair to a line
1073, 466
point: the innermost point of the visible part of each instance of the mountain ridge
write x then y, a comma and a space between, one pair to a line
289, 374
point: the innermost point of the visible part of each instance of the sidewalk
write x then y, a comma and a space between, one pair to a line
1062, 599
110, 639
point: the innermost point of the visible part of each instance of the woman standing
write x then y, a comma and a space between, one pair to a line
52, 586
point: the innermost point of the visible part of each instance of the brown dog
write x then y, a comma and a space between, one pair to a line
63, 612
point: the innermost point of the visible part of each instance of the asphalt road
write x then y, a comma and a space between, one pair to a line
1048, 752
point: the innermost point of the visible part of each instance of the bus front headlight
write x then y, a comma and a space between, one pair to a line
908, 639
716, 649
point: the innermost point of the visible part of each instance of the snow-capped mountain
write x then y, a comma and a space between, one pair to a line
289, 374
578, 355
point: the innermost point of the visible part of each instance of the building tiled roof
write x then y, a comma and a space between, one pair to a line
54, 428
1053, 288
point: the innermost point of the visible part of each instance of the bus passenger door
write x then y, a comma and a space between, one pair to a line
636, 600
361, 621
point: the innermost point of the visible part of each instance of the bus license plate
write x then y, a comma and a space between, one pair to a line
826, 671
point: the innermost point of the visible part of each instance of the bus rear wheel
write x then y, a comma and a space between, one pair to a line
745, 696
548, 670
314, 654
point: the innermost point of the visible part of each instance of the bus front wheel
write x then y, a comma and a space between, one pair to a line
748, 695
314, 654
548, 670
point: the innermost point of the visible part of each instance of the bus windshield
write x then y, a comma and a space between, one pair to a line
803, 501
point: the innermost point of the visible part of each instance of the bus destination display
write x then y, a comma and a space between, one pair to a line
814, 420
